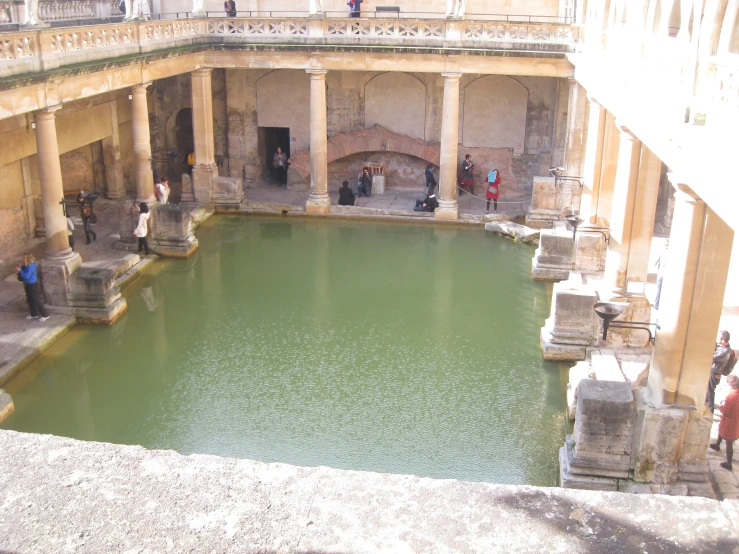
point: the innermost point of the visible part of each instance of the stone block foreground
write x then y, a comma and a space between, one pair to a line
60, 495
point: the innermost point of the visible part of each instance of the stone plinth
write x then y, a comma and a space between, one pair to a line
128, 219
580, 371
553, 259
604, 430
590, 252
637, 309
94, 296
227, 190
552, 202
173, 235
570, 327
55, 277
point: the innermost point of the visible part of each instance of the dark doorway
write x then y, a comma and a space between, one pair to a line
274, 137
183, 141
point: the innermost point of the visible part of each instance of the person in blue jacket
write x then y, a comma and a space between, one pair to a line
27, 274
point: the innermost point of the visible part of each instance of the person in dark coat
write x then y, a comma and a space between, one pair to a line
346, 195
428, 204
229, 7
720, 358
728, 429
364, 184
467, 178
86, 214
430, 179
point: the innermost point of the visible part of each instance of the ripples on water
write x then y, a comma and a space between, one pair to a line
403, 349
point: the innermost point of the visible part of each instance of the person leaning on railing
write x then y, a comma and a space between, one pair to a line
230, 7
355, 7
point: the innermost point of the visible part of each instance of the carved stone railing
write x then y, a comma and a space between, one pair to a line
45, 49
60, 10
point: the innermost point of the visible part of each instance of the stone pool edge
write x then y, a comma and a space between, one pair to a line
100, 497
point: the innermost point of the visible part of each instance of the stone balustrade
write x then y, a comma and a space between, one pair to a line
44, 49
60, 10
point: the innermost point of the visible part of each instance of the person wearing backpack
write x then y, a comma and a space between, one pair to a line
721, 358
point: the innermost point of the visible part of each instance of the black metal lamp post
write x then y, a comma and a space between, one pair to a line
608, 311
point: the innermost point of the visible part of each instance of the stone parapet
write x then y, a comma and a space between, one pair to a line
173, 234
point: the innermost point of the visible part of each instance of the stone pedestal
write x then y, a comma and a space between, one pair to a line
203, 176
173, 235
637, 309
553, 259
590, 252
601, 444
227, 191
570, 327
94, 296
187, 190
551, 202
128, 219
55, 278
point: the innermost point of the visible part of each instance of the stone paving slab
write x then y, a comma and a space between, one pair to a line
59, 495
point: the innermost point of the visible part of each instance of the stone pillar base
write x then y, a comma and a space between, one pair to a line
560, 352
448, 209
553, 258
227, 190
173, 236
318, 204
202, 182
101, 316
187, 194
55, 278
128, 219
94, 296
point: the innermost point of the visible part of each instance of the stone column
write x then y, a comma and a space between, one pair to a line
115, 188
690, 304
622, 212
52, 188
576, 130
593, 160
318, 201
141, 144
604, 198
642, 227
448, 207
205, 168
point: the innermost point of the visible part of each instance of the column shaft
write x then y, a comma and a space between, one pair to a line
604, 198
141, 144
593, 160
52, 188
448, 207
318, 200
576, 130
642, 228
690, 303
622, 211
115, 188
205, 168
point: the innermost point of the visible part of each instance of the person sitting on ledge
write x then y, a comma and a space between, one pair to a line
346, 195
428, 204
364, 184
728, 429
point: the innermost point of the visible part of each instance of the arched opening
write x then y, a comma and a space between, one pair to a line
397, 101
183, 139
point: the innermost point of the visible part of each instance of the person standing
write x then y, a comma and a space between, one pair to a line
142, 229
279, 162
721, 356
493, 191
430, 179
728, 429
230, 7
364, 184
190, 160
467, 175
162, 193
355, 7
346, 195
27, 274
87, 216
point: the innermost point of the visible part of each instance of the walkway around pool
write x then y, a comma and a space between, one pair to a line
62, 495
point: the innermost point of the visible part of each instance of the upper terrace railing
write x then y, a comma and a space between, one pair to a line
45, 49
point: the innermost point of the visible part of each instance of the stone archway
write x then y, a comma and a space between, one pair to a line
376, 139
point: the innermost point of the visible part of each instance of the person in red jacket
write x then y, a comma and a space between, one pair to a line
728, 429
493, 191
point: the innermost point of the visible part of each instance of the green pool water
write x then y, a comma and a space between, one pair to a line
392, 348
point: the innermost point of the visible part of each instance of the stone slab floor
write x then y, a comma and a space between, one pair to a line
59, 495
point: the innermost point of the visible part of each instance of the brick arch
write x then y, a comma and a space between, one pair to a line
376, 139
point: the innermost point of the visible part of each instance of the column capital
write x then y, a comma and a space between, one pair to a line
625, 133
451, 75
316, 73
47, 113
140, 89
202, 72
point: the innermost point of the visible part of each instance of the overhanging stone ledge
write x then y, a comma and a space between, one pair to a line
100, 497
